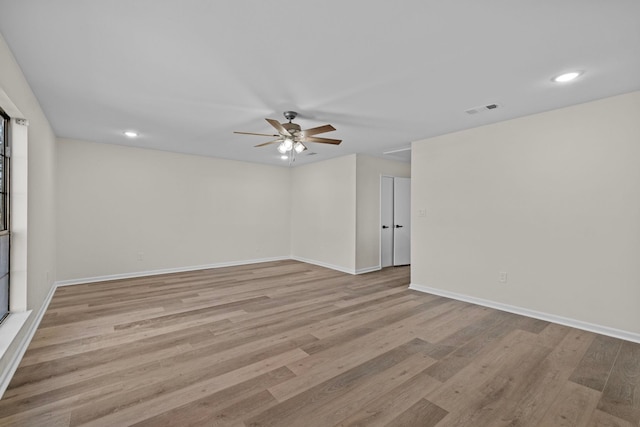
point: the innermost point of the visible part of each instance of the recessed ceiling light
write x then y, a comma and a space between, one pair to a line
284, 157
130, 134
566, 77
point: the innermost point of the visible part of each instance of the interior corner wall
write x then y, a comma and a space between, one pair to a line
41, 188
369, 170
551, 199
323, 213
124, 210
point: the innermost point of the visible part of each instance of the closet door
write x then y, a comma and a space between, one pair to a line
386, 221
402, 221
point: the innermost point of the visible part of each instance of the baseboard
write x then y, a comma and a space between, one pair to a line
578, 324
132, 275
324, 264
135, 274
12, 366
368, 269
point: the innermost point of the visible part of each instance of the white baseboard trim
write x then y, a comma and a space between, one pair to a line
12, 366
324, 264
135, 274
578, 324
368, 269
10, 329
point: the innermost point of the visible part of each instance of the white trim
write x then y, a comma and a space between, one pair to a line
131, 275
325, 265
135, 274
12, 365
368, 269
19, 216
578, 324
10, 328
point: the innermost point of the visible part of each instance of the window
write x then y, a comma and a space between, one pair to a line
4, 215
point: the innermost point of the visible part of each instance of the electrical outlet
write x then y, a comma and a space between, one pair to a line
140, 256
422, 213
502, 277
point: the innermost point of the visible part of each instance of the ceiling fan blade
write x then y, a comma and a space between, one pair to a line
276, 124
322, 140
267, 143
317, 130
251, 133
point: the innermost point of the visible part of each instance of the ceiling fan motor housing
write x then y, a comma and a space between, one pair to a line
293, 128
290, 115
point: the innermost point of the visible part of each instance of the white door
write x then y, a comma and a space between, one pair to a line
402, 221
386, 221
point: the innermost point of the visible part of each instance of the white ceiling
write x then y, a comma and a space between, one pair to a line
187, 73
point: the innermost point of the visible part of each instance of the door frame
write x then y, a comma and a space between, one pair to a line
382, 176
380, 218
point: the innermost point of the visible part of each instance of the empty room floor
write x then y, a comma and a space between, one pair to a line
291, 344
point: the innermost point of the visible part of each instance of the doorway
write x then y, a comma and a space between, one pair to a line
395, 221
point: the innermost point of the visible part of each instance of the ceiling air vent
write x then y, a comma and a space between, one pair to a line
481, 109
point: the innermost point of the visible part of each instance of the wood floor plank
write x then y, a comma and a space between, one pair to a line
497, 325
523, 387
572, 407
384, 409
353, 319
602, 419
532, 397
138, 412
35, 383
594, 369
368, 390
436, 329
621, 394
476, 392
304, 402
221, 405
423, 413
187, 369
289, 343
319, 367
118, 339
348, 334
45, 418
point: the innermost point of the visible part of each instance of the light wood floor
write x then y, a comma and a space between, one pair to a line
291, 344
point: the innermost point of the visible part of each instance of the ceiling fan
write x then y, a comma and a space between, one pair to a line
292, 138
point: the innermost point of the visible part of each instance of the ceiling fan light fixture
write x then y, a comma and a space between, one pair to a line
291, 139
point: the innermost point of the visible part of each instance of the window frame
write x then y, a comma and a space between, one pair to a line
5, 218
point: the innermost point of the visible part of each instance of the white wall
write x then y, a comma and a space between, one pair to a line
368, 172
323, 213
40, 194
115, 202
552, 199
336, 211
